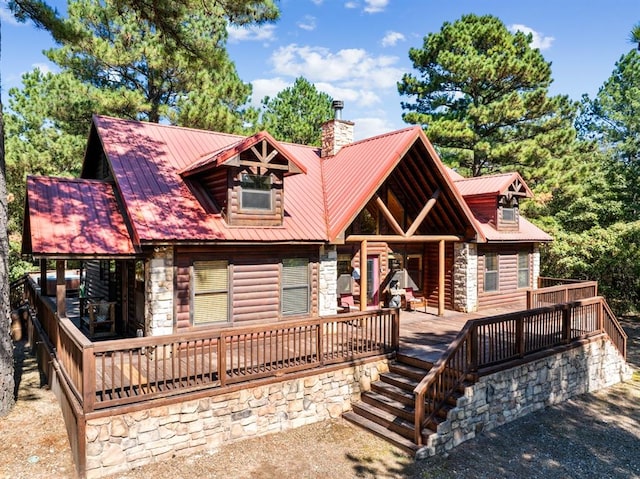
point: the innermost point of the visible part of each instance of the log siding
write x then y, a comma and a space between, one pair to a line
255, 285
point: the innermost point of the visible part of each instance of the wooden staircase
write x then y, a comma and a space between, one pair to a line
388, 409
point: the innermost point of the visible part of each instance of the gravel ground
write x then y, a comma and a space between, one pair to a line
591, 436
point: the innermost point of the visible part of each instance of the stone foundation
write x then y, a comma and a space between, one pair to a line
118, 443
507, 395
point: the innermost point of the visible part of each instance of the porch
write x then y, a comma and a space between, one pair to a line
100, 378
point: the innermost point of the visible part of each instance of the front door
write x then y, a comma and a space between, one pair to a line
373, 282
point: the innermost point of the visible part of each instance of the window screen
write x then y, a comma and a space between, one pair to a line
210, 291
491, 272
523, 269
256, 192
295, 286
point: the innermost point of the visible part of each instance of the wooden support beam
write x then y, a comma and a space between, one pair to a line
403, 239
61, 289
423, 214
363, 275
441, 268
389, 217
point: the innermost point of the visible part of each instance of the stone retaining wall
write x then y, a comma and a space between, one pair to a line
507, 395
119, 443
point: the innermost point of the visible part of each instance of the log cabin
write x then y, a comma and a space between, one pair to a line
184, 229
219, 273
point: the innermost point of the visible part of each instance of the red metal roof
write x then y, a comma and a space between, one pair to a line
218, 158
490, 184
146, 159
527, 233
75, 217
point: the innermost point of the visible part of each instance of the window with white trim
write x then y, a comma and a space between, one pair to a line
210, 292
523, 269
295, 286
491, 272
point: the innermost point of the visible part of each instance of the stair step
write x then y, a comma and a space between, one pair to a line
380, 401
414, 361
393, 392
397, 440
386, 419
409, 371
403, 382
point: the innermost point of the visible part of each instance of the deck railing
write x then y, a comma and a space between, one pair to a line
491, 341
117, 372
556, 291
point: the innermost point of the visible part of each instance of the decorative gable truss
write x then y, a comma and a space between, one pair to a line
508, 213
244, 182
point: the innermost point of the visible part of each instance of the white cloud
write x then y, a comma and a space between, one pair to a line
308, 23
267, 87
317, 2
44, 67
351, 67
368, 127
351, 5
251, 33
6, 17
391, 38
539, 41
349, 95
375, 6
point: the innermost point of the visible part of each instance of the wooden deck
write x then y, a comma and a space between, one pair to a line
426, 336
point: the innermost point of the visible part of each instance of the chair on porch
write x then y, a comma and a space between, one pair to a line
347, 303
412, 299
98, 316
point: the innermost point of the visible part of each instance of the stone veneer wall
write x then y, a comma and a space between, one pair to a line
328, 281
507, 395
159, 293
335, 135
120, 442
465, 277
536, 266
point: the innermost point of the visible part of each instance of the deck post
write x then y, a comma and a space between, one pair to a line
222, 359
441, 278
363, 275
395, 329
44, 290
88, 379
61, 289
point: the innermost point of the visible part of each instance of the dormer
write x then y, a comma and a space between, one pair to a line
245, 181
495, 199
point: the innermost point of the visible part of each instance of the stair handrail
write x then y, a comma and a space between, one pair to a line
14, 285
434, 378
614, 329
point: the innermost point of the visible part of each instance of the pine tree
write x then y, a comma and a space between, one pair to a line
481, 94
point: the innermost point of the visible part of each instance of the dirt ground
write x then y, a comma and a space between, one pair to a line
591, 436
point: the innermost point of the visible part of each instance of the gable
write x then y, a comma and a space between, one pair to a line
404, 163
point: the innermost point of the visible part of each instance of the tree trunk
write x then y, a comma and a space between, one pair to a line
7, 381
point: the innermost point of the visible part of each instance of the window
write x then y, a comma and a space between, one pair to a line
295, 286
414, 271
210, 292
256, 192
523, 269
344, 274
509, 215
491, 272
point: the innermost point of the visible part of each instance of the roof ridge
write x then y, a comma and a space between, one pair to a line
174, 127
475, 178
381, 135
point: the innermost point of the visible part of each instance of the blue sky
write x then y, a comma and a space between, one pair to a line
357, 50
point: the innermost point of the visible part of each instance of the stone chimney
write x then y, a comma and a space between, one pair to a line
336, 133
